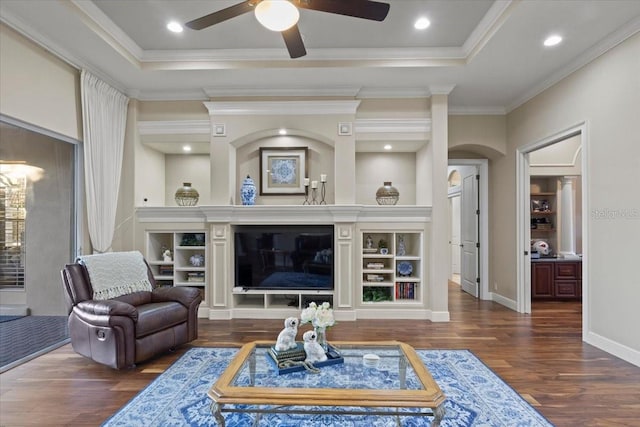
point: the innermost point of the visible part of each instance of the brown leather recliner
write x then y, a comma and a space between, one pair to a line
128, 329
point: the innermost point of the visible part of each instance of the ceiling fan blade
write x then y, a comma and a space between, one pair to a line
221, 15
293, 40
365, 9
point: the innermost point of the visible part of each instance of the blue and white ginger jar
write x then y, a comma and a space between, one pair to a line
248, 191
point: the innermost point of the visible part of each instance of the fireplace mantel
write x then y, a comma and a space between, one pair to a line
285, 214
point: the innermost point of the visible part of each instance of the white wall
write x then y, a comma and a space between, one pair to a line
486, 135
38, 88
605, 95
181, 168
373, 169
319, 161
559, 159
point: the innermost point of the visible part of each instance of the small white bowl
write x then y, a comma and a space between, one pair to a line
370, 360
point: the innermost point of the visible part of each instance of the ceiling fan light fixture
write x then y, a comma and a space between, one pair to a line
277, 15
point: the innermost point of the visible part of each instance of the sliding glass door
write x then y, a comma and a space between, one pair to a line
37, 220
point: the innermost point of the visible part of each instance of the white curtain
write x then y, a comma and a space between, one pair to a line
104, 116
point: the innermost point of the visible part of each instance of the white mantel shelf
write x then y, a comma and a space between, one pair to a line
289, 214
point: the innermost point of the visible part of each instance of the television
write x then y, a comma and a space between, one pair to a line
284, 257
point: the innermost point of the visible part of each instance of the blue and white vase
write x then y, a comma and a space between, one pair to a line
248, 191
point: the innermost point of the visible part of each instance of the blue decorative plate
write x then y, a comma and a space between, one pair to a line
405, 268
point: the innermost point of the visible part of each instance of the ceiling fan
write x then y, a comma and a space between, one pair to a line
283, 15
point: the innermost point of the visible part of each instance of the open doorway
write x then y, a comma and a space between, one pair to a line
454, 181
468, 225
551, 178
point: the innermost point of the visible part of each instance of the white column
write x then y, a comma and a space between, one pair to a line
345, 171
439, 260
222, 157
567, 213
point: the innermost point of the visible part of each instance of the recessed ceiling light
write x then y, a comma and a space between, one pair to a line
421, 23
387, 147
174, 27
186, 148
552, 40
282, 131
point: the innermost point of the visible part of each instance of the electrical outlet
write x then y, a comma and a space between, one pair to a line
495, 286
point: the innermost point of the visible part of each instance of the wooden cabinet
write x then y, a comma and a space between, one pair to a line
542, 280
556, 279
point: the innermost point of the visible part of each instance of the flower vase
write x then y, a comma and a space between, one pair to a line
321, 334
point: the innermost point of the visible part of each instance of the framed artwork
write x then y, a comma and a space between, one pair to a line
282, 170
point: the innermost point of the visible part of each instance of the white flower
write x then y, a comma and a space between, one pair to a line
319, 316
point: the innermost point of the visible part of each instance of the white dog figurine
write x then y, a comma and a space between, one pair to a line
287, 337
315, 352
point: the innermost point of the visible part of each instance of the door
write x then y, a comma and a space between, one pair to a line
469, 232
455, 234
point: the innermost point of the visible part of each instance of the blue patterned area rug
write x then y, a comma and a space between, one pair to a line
475, 397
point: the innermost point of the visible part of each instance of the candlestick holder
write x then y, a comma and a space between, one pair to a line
306, 196
322, 193
314, 196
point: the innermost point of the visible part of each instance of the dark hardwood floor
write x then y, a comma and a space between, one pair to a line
541, 356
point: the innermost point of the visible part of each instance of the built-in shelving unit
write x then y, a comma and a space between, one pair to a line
544, 208
391, 267
405, 292
185, 264
286, 301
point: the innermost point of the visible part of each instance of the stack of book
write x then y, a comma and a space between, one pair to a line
165, 270
296, 354
375, 265
195, 276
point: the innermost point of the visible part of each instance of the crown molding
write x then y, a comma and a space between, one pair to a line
60, 52
104, 27
203, 127
488, 26
438, 56
392, 92
295, 108
599, 49
230, 91
174, 127
394, 126
477, 111
175, 95
442, 89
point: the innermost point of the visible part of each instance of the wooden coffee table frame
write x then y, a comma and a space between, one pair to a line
285, 400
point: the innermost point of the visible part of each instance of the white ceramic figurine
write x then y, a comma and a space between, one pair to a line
287, 337
314, 351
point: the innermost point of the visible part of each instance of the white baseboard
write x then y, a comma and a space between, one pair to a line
619, 350
345, 315
509, 303
440, 316
14, 310
341, 316
217, 314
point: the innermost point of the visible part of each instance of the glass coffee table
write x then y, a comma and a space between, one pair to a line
398, 386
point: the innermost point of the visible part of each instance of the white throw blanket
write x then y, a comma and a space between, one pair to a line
114, 274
